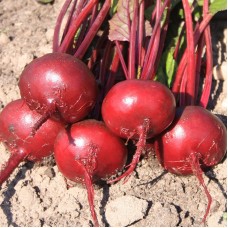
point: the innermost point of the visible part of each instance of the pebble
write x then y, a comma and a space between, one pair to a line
125, 210
27, 197
4, 39
49, 34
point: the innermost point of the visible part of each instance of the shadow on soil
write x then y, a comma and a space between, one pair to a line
10, 191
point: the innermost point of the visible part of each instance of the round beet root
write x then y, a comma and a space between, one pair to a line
130, 104
195, 139
89, 151
138, 109
60, 84
194, 130
16, 127
89, 142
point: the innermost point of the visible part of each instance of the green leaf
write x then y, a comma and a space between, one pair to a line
148, 11
113, 7
217, 5
167, 67
45, 1
171, 65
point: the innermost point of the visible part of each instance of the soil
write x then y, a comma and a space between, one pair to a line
36, 194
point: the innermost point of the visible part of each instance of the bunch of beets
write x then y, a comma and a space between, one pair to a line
105, 84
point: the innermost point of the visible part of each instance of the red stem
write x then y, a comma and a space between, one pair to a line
142, 131
162, 42
41, 121
190, 88
182, 93
140, 33
104, 62
175, 54
15, 159
69, 19
155, 46
75, 25
78, 9
200, 47
153, 43
93, 16
180, 36
58, 24
132, 40
80, 38
183, 62
112, 72
197, 171
93, 58
93, 30
119, 51
90, 192
209, 57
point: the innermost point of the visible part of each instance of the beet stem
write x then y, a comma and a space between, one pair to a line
177, 48
156, 43
153, 45
15, 159
75, 25
141, 34
162, 41
90, 192
105, 62
197, 171
93, 30
123, 64
132, 46
93, 58
209, 62
200, 48
112, 72
190, 89
58, 25
183, 97
140, 148
181, 67
40, 122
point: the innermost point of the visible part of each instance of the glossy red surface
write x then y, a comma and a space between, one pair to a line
60, 82
132, 102
16, 124
92, 144
194, 130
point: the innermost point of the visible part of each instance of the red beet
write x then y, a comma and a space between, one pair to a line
138, 109
59, 83
87, 152
16, 128
195, 139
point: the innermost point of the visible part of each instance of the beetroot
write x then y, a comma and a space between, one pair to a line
17, 122
138, 109
59, 83
87, 152
196, 139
